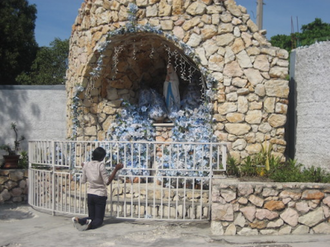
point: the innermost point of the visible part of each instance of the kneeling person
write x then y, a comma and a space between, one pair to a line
95, 174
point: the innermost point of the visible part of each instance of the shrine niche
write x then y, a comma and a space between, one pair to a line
230, 83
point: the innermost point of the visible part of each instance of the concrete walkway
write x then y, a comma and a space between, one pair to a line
21, 225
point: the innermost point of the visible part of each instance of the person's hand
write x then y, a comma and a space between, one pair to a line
119, 166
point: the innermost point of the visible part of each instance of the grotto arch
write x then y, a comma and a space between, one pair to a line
124, 65
245, 76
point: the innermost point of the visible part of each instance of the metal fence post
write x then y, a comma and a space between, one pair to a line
30, 174
52, 153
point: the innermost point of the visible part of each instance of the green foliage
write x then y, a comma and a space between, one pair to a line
316, 175
23, 161
310, 33
289, 171
50, 65
314, 31
249, 167
232, 167
17, 42
252, 166
283, 41
21, 60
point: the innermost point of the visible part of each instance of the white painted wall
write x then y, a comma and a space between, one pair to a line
310, 69
39, 111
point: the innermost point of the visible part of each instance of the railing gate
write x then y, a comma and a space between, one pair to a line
163, 181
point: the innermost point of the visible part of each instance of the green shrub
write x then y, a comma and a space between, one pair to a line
23, 161
316, 175
232, 167
289, 171
249, 168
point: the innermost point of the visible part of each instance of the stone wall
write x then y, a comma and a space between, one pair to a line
311, 79
251, 208
110, 55
13, 186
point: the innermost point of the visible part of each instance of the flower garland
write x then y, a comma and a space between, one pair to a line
132, 125
190, 126
75, 111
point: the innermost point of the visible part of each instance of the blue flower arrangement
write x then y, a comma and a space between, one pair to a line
132, 11
132, 125
190, 126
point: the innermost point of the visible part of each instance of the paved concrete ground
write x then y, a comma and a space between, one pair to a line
21, 225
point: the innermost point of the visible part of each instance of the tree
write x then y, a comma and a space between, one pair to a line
314, 31
17, 41
50, 65
282, 41
310, 33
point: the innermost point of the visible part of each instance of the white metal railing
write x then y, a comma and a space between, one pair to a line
160, 180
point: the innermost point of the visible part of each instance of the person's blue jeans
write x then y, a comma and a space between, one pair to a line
96, 210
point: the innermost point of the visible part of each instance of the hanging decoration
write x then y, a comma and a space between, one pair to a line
132, 11
75, 110
115, 60
179, 60
180, 64
134, 51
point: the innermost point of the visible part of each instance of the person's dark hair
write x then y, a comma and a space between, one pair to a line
99, 154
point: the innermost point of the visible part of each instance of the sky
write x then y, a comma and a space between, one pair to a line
278, 14
56, 17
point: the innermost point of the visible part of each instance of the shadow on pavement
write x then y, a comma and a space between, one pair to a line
11, 212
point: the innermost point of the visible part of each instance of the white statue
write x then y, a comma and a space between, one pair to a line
171, 90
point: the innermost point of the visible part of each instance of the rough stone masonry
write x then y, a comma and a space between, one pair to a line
251, 94
252, 208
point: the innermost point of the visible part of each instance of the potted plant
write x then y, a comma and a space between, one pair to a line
12, 157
